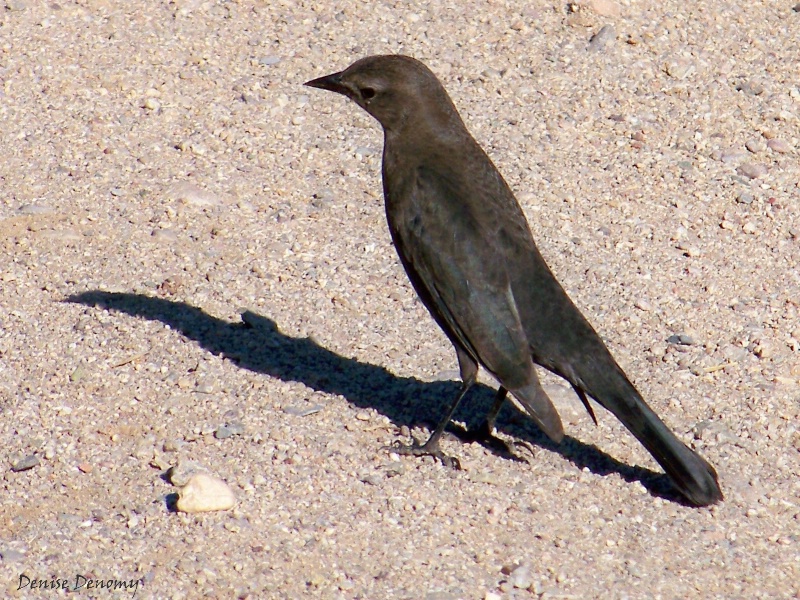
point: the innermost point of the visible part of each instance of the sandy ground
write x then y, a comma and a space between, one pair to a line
195, 266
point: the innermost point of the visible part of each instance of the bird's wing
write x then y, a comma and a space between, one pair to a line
451, 259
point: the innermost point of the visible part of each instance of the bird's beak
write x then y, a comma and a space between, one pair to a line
331, 83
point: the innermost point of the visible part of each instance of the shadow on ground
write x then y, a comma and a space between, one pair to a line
257, 344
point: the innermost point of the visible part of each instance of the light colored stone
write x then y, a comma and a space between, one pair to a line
520, 577
778, 145
752, 170
205, 493
605, 8
192, 194
35, 209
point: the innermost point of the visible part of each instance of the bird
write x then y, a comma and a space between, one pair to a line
468, 250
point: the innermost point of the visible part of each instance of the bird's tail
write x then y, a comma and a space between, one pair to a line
695, 478
540, 408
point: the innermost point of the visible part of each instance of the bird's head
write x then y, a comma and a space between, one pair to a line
397, 90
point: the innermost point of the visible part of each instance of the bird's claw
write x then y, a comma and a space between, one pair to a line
481, 434
417, 449
484, 435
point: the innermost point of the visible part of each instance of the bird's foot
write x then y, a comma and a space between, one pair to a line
484, 435
427, 449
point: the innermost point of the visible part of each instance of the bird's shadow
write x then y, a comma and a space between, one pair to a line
257, 344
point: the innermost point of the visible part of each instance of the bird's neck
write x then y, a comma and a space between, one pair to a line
423, 129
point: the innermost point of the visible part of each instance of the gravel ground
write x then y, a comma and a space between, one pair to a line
196, 267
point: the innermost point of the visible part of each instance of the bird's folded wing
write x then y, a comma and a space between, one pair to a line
452, 255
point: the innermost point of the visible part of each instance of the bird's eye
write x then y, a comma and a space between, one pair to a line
367, 93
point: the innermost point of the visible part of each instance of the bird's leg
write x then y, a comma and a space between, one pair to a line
431, 447
468, 367
487, 427
484, 433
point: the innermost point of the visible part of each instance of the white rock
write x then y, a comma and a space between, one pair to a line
191, 194
521, 577
205, 493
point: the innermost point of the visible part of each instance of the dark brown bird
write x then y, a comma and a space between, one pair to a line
470, 255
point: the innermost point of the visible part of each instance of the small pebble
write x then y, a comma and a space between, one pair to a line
192, 194
779, 146
681, 339
269, 60
734, 353
394, 468
763, 349
485, 477
370, 479
302, 411
447, 375
689, 249
229, 430
601, 38
679, 69
165, 235
755, 145
160, 461
205, 493
204, 387
732, 157
65, 235
752, 170
173, 445
744, 198
9, 555
222, 433
26, 463
520, 577
78, 374
754, 88
35, 209
713, 431
605, 8
180, 474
